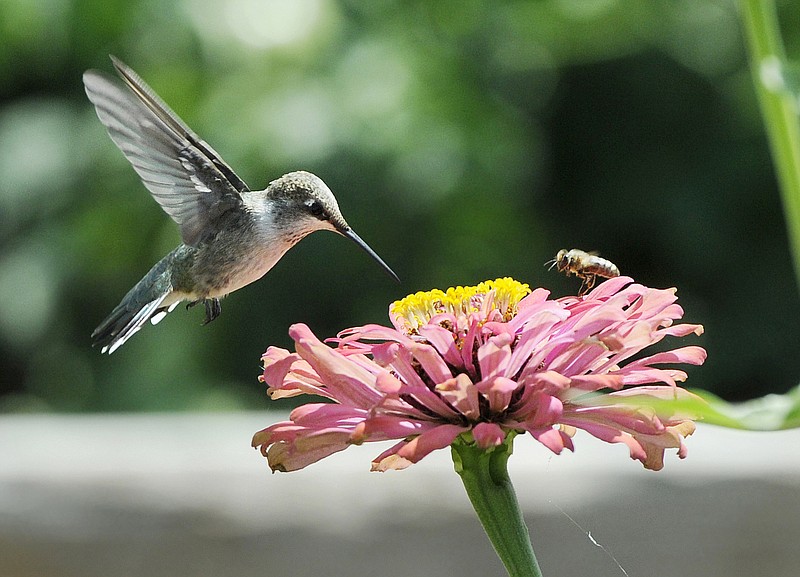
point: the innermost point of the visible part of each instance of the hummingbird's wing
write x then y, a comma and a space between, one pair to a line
184, 174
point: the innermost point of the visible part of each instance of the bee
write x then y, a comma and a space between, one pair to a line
586, 266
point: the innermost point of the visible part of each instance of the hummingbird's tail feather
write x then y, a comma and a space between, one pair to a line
151, 298
127, 318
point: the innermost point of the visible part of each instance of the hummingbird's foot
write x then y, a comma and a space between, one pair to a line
213, 310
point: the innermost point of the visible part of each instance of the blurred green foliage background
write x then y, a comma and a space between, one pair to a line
464, 140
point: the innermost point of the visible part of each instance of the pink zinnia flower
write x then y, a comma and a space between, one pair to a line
485, 362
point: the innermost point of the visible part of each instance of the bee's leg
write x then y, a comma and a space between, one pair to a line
587, 284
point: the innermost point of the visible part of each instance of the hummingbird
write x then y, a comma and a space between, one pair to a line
231, 235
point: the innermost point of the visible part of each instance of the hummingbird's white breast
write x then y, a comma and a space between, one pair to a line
247, 256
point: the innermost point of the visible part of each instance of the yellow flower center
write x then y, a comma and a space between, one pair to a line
418, 308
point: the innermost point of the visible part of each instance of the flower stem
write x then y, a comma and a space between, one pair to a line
485, 477
779, 107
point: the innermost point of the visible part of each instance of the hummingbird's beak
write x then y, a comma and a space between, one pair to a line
351, 234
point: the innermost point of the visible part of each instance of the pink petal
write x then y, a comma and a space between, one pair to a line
499, 327
640, 376
462, 395
592, 322
387, 383
488, 435
540, 410
397, 358
370, 332
277, 362
636, 335
535, 330
596, 382
291, 457
691, 355
578, 358
537, 296
611, 434
683, 330
535, 307
655, 392
288, 375
609, 288
400, 360
553, 439
655, 446
494, 354
437, 438
631, 419
385, 427
322, 415
289, 446
469, 346
656, 302
549, 382
498, 391
444, 343
431, 362
282, 431
347, 382
389, 460
669, 412
637, 427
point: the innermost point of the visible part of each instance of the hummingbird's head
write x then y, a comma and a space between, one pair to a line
302, 203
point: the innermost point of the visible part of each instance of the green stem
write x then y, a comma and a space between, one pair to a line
778, 107
485, 477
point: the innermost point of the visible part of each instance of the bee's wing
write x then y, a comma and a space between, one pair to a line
184, 174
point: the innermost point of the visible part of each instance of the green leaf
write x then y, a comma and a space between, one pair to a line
768, 413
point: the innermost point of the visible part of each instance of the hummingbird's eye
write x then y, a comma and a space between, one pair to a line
316, 209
